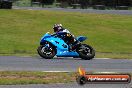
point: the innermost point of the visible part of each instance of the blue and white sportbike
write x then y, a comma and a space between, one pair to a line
52, 45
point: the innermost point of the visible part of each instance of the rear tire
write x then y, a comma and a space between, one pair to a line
43, 54
86, 52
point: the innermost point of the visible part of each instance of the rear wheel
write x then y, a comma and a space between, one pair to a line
86, 52
46, 50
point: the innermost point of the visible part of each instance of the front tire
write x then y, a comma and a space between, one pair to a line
86, 52
46, 53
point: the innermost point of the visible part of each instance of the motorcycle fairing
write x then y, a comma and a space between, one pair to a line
61, 46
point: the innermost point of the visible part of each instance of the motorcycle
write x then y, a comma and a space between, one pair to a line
52, 45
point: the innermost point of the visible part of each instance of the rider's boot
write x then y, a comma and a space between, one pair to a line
73, 46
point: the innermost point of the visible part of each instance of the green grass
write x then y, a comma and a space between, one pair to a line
21, 78
36, 77
21, 30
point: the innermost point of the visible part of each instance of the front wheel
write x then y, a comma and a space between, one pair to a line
46, 51
86, 52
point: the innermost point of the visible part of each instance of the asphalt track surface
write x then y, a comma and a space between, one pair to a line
72, 85
118, 12
15, 63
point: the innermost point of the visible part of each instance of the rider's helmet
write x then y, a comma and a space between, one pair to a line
57, 27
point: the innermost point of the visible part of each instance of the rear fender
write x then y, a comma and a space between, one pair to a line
81, 38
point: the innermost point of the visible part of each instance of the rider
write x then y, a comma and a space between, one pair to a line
65, 35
